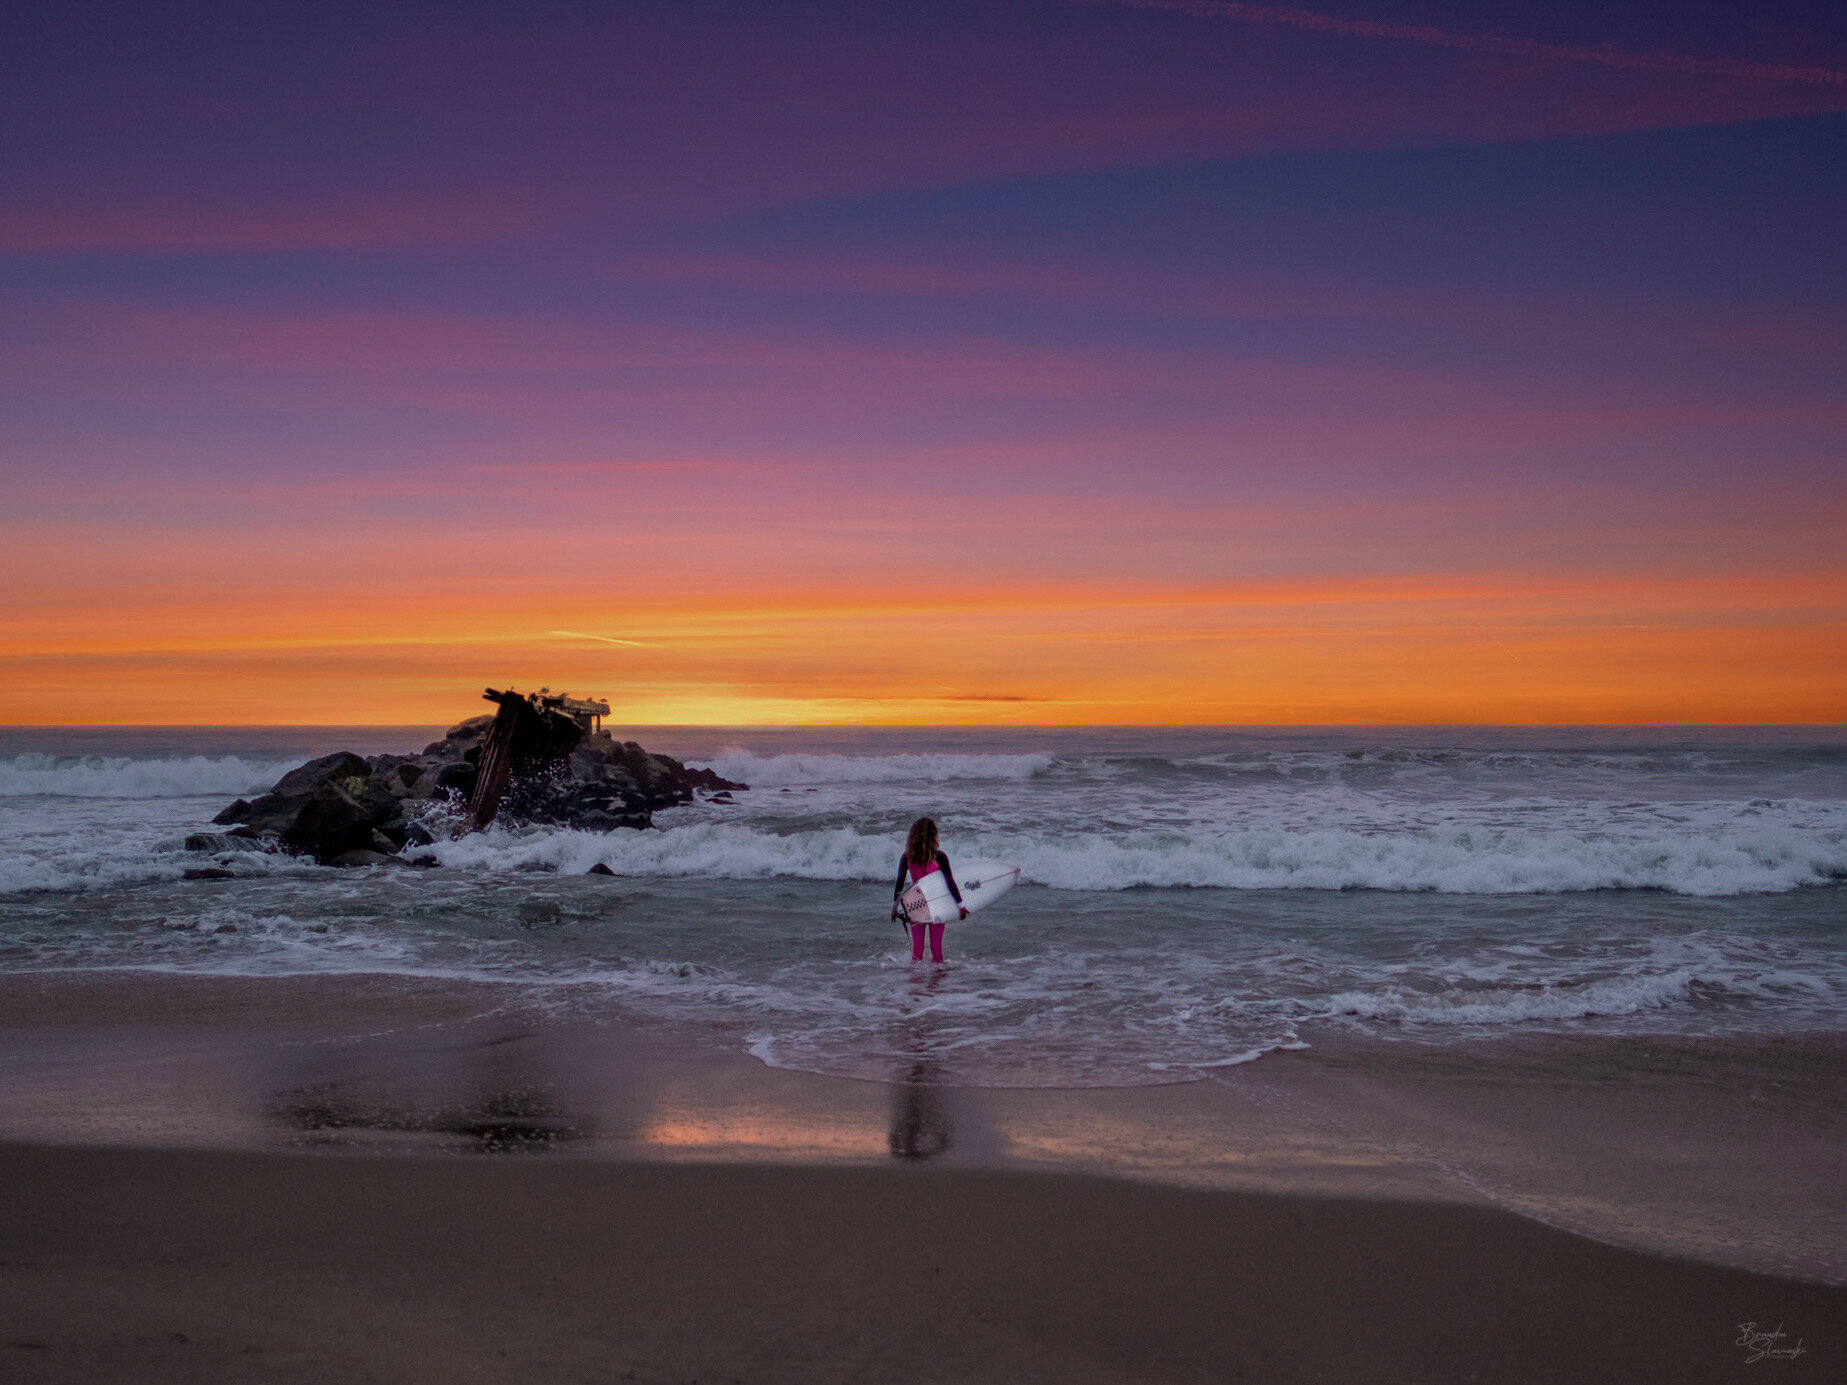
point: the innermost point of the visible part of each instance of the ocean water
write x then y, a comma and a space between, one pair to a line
1191, 898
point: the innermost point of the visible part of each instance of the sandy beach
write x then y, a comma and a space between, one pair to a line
156, 1266
225, 1179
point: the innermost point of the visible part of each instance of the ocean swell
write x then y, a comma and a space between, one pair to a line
777, 771
1451, 861
99, 776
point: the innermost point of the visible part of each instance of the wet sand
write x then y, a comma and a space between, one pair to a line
566, 1202
142, 1265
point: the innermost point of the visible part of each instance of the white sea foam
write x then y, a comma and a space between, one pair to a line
1620, 995
777, 771
1452, 861
713, 850
1721, 856
85, 865
1135, 991
20, 872
99, 776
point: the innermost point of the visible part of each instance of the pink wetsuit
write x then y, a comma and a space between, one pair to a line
917, 929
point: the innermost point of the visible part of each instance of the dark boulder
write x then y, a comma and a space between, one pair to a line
362, 857
280, 810
342, 803
402, 776
219, 842
305, 779
605, 784
602, 820
460, 738
272, 812
208, 873
457, 777
339, 817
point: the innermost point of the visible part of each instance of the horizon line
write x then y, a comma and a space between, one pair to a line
923, 726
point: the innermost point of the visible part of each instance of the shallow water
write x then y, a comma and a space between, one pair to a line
1192, 898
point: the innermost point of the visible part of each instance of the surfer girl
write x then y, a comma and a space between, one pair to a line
921, 856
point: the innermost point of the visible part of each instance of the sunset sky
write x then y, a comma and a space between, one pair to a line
1041, 361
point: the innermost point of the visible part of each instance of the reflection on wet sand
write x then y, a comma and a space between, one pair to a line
1641, 1141
489, 1097
494, 1123
922, 1125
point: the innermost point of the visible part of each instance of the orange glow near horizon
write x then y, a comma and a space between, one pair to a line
1487, 648
1093, 364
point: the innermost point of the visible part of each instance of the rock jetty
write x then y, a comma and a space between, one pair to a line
348, 809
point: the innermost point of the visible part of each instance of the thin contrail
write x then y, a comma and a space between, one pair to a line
1487, 43
601, 639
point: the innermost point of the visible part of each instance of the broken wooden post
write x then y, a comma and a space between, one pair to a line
529, 731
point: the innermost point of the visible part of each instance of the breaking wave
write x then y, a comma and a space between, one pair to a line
776, 771
1622, 995
1450, 861
99, 776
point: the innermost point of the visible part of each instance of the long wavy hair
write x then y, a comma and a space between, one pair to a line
920, 848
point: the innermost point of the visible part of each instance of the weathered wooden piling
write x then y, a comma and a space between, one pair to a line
531, 733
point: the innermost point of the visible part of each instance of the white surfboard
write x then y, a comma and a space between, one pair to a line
981, 883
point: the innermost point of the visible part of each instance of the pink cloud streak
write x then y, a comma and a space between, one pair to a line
1601, 55
183, 227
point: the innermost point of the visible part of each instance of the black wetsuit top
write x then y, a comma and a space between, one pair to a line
942, 864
